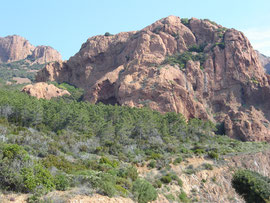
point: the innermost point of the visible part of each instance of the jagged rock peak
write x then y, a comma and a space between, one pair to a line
14, 48
194, 67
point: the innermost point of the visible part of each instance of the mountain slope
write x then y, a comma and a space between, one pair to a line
194, 67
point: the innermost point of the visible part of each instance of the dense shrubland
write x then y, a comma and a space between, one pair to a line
78, 144
253, 186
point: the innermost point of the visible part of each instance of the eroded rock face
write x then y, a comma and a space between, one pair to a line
265, 61
14, 48
43, 90
229, 86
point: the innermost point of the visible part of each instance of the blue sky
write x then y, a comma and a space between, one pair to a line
66, 24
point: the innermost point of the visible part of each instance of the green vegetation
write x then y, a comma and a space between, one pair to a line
107, 34
75, 93
220, 44
20, 68
19, 173
62, 143
183, 197
144, 191
182, 59
185, 21
197, 48
212, 22
252, 186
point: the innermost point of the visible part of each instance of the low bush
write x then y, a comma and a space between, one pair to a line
143, 191
183, 58
185, 21
61, 181
152, 164
19, 173
208, 166
252, 186
213, 155
178, 160
166, 179
183, 197
61, 164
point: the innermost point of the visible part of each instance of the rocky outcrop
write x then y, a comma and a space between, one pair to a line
198, 68
14, 48
43, 90
265, 61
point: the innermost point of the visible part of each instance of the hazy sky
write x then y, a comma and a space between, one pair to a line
66, 24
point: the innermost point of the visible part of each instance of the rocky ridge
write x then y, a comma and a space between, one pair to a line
15, 48
194, 67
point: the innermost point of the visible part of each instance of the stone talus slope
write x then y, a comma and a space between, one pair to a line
229, 86
14, 48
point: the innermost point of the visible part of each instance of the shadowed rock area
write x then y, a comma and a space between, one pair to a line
194, 67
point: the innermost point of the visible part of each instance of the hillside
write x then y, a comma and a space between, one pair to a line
60, 149
200, 134
20, 60
194, 67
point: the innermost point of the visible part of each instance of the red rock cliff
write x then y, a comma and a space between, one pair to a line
14, 48
229, 86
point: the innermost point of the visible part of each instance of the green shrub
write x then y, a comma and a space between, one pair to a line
61, 181
129, 172
37, 176
178, 160
183, 197
181, 59
221, 45
61, 163
152, 164
108, 188
108, 34
252, 186
185, 21
180, 182
143, 191
105, 160
208, 166
197, 48
157, 184
123, 192
19, 173
213, 155
155, 156
166, 179
14, 151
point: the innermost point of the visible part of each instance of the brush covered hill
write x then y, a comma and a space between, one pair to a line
190, 66
62, 150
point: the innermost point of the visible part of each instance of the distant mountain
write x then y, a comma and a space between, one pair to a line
20, 60
265, 61
15, 48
